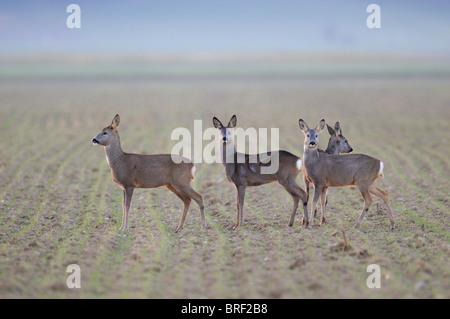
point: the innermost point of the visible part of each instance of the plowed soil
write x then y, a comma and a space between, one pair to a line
59, 206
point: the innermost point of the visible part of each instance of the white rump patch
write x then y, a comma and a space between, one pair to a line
299, 164
380, 173
193, 171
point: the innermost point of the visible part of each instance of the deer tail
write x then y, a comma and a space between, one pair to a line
299, 164
193, 171
380, 173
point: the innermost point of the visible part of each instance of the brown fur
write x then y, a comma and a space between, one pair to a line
131, 171
249, 174
337, 144
324, 170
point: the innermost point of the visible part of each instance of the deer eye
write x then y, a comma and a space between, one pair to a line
317, 135
104, 133
307, 135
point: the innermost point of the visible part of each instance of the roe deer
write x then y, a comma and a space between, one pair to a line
324, 170
131, 171
337, 144
249, 174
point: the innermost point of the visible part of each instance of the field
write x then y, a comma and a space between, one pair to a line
59, 206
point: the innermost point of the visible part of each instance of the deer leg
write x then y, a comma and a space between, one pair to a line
186, 202
367, 201
124, 200
237, 211
385, 198
317, 192
189, 192
289, 187
294, 209
306, 184
305, 219
323, 198
240, 200
304, 196
127, 195
326, 203
297, 193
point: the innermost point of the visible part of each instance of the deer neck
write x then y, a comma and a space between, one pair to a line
229, 158
332, 149
228, 154
310, 154
114, 153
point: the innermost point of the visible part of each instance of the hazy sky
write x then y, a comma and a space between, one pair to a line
216, 26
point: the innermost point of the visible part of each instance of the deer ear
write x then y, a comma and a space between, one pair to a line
217, 123
303, 126
319, 127
330, 130
116, 120
337, 127
232, 122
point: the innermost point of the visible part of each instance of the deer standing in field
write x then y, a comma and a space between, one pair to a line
324, 170
249, 174
131, 171
337, 144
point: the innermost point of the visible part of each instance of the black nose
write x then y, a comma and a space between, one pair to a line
312, 143
351, 150
94, 141
224, 139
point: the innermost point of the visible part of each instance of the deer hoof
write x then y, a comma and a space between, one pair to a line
305, 222
323, 221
